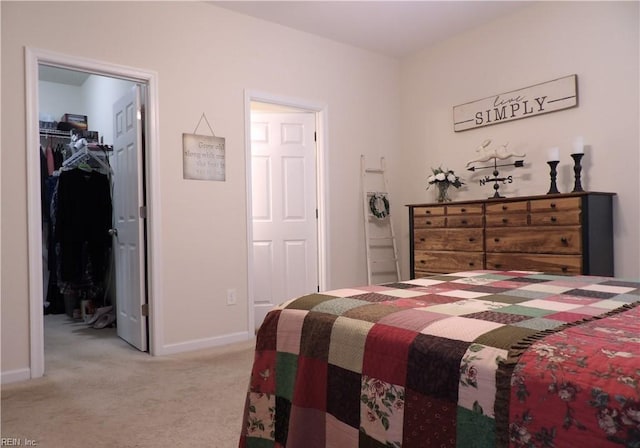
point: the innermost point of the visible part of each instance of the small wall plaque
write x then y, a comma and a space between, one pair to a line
203, 156
528, 102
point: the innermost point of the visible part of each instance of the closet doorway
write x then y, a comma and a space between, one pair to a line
97, 119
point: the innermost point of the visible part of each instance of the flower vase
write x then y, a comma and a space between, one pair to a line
443, 192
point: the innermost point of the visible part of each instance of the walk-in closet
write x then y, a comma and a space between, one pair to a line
78, 121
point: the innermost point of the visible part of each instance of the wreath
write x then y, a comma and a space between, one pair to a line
379, 205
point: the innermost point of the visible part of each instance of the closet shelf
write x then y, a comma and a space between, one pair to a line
54, 133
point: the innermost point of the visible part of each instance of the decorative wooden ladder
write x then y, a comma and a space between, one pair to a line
380, 239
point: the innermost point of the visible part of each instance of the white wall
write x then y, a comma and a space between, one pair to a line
99, 95
205, 58
598, 41
58, 99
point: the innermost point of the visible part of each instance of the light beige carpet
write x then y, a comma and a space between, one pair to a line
100, 392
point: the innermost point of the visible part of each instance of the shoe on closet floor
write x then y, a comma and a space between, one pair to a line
104, 321
99, 312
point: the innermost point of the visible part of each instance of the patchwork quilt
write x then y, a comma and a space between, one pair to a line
420, 363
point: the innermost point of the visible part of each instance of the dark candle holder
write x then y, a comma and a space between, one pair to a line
577, 169
554, 175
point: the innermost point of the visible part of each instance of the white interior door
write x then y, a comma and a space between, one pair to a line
129, 236
284, 208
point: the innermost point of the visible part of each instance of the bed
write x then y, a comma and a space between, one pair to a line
468, 359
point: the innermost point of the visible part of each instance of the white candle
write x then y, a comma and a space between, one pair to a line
578, 145
554, 154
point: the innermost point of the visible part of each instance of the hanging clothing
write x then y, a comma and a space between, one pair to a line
50, 162
58, 156
52, 293
83, 219
43, 185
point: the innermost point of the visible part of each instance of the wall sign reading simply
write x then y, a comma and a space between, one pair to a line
538, 99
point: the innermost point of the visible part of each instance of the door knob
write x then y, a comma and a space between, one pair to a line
113, 232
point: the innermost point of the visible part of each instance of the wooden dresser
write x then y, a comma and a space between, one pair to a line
562, 233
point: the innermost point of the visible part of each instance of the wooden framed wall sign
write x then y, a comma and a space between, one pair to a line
203, 157
528, 102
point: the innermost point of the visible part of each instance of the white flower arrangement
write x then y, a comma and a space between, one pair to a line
441, 176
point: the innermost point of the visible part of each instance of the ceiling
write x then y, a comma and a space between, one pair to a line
392, 28
61, 75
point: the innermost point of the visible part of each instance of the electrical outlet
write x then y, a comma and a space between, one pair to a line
231, 297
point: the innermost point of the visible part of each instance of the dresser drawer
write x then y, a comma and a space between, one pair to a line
419, 274
464, 221
556, 204
449, 239
503, 220
426, 222
428, 211
444, 261
570, 217
507, 207
550, 240
464, 209
555, 264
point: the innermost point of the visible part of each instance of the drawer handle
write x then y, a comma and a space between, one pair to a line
471, 240
422, 240
564, 240
463, 210
428, 223
497, 240
422, 261
564, 269
464, 222
554, 219
505, 220
504, 207
498, 265
427, 212
553, 205
471, 263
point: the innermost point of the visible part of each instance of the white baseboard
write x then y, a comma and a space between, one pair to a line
199, 344
13, 376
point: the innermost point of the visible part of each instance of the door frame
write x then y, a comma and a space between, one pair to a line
322, 176
34, 57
